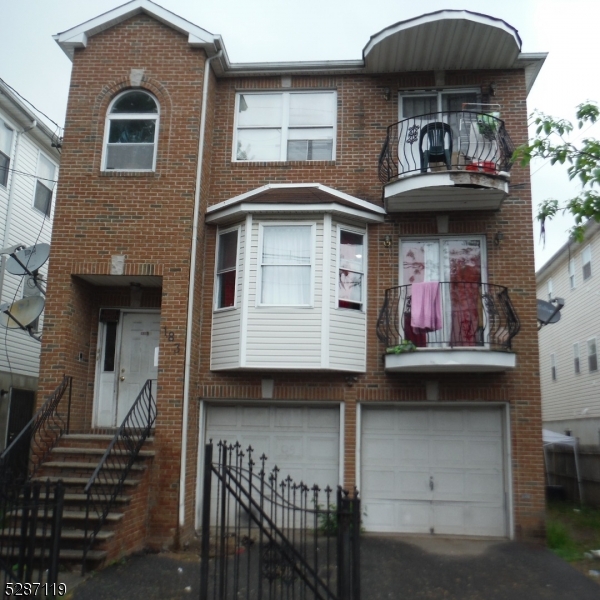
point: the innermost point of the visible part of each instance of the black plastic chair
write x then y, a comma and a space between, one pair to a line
436, 150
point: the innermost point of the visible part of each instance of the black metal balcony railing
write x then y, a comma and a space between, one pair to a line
455, 140
473, 315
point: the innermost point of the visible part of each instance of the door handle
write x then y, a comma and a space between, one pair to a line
431, 483
122, 378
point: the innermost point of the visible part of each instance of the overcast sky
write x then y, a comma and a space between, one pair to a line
280, 30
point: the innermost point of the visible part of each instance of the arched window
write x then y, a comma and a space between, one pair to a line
131, 132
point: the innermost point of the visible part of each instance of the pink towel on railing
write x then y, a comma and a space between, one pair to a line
426, 307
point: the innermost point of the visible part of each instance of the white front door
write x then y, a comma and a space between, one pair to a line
126, 360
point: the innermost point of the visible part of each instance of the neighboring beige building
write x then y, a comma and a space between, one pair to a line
569, 349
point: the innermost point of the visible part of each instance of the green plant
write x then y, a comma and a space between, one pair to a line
560, 541
403, 346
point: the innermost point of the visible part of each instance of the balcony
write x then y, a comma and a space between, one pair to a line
477, 326
457, 160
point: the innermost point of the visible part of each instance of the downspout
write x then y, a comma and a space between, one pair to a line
190, 312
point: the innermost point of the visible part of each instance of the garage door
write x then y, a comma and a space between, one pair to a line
303, 442
434, 470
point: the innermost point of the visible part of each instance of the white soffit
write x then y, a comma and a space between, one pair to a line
445, 40
77, 37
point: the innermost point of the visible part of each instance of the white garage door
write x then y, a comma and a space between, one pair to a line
434, 470
303, 442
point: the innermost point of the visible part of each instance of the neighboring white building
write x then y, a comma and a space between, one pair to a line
569, 365
29, 161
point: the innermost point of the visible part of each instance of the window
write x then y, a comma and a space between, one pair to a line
286, 265
30, 289
553, 366
576, 364
572, 273
46, 172
351, 270
592, 355
6, 136
227, 248
131, 133
550, 290
586, 258
285, 126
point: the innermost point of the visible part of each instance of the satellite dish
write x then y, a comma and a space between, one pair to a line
33, 258
548, 312
22, 313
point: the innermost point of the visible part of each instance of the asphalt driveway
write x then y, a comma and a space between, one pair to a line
393, 567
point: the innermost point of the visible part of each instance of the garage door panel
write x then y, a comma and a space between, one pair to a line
317, 447
222, 417
255, 417
448, 452
323, 419
461, 448
288, 448
289, 418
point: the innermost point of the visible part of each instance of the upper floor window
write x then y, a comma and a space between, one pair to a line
131, 133
285, 126
286, 265
576, 358
46, 172
572, 273
351, 270
6, 137
227, 249
586, 259
553, 366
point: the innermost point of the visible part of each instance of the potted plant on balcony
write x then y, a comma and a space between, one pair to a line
403, 346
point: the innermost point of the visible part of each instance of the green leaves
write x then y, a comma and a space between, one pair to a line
551, 142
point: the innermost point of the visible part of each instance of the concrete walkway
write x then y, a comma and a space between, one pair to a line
392, 568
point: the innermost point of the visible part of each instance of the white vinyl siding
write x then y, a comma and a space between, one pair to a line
316, 337
27, 226
572, 397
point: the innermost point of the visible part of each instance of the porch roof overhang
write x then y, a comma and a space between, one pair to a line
301, 198
450, 360
445, 40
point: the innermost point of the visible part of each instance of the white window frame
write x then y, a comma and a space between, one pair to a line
358, 231
431, 93
550, 288
41, 181
576, 359
259, 264
572, 273
594, 341
585, 260
284, 123
553, 369
131, 116
9, 156
221, 232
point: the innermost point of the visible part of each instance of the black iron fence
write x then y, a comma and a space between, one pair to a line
454, 140
266, 536
472, 315
24, 455
106, 483
30, 539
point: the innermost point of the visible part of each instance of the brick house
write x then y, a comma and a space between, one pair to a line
263, 226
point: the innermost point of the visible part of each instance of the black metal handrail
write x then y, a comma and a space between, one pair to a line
28, 450
474, 314
452, 140
106, 483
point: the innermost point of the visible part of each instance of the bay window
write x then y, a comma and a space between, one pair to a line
285, 126
227, 250
286, 265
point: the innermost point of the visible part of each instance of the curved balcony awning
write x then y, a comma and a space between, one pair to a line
445, 40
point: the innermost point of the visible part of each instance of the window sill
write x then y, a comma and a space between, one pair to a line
129, 174
282, 163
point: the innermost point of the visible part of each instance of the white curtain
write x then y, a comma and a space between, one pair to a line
286, 266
